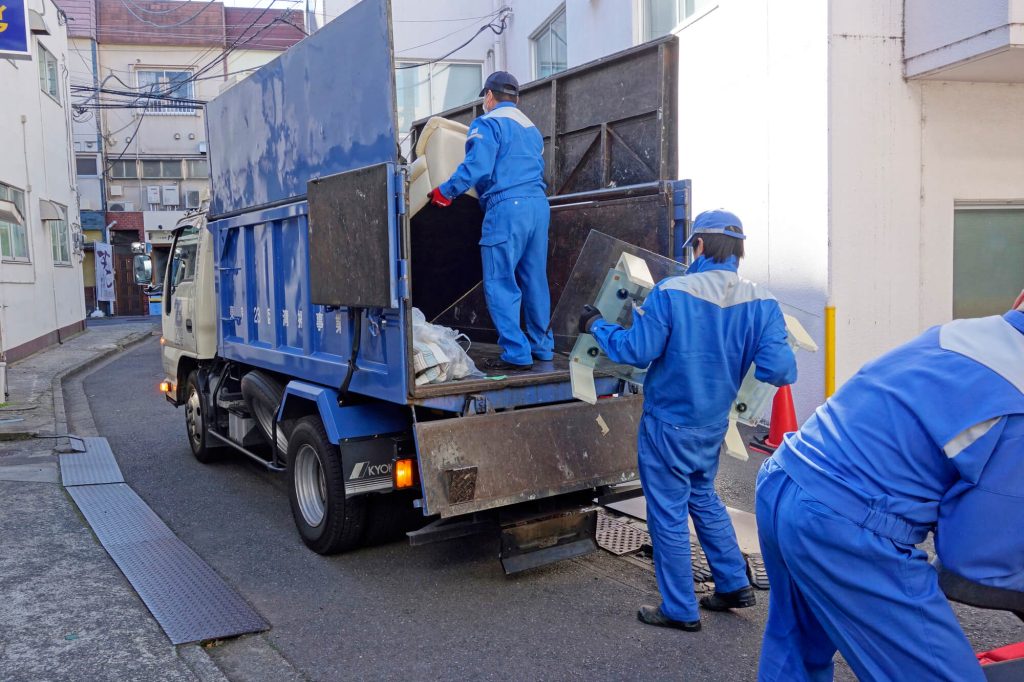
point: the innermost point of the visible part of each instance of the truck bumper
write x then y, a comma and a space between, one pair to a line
479, 462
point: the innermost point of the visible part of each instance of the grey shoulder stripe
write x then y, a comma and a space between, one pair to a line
512, 113
991, 341
720, 287
967, 437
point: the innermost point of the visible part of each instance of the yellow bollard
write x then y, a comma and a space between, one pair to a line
830, 350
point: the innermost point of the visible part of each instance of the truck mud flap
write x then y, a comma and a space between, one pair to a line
485, 461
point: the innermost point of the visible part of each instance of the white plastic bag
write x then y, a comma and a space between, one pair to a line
437, 354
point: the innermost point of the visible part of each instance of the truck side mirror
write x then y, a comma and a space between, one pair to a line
142, 266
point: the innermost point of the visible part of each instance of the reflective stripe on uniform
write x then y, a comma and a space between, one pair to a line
512, 113
723, 288
990, 341
967, 437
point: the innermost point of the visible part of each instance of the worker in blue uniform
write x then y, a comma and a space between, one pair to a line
505, 164
699, 333
928, 437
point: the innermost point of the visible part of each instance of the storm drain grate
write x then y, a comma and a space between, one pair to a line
757, 572
619, 538
94, 466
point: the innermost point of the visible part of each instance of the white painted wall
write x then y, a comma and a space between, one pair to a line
753, 138
903, 153
940, 33
35, 131
972, 147
594, 28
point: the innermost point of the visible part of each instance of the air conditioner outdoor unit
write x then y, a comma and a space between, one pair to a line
123, 206
116, 190
192, 198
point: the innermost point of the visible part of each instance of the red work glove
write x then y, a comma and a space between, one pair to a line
438, 199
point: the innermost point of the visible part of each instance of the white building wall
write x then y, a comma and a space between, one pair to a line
85, 126
903, 154
38, 297
148, 134
594, 28
753, 138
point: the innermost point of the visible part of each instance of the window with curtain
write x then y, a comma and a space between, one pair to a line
659, 17
13, 236
432, 88
161, 168
49, 80
171, 84
550, 50
123, 169
988, 260
198, 168
60, 241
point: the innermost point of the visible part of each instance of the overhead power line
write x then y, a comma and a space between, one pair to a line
496, 29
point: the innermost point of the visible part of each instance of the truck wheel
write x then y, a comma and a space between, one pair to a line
327, 521
263, 396
196, 423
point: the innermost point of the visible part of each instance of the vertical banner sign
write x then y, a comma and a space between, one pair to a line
104, 272
14, 31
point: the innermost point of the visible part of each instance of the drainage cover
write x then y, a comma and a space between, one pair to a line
617, 537
187, 598
756, 571
95, 465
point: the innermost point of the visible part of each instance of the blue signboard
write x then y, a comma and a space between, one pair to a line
14, 31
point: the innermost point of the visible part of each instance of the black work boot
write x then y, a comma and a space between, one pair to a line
723, 601
652, 615
497, 364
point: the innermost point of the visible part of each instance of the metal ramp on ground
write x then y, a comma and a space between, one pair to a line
621, 536
185, 595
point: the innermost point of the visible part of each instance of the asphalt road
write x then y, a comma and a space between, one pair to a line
439, 611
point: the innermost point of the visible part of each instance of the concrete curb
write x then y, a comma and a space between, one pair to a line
60, 419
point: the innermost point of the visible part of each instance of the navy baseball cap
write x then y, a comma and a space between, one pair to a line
501, 81
716, 221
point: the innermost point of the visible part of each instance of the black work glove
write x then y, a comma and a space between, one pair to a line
587, 317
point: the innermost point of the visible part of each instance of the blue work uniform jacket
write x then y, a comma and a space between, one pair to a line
504, 158
930, 437
699, 333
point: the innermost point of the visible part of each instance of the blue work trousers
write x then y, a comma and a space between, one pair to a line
514, 248
677, 471
837, 585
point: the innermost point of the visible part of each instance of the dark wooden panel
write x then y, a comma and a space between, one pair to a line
349, 242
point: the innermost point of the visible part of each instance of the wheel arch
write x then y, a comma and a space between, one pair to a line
342, 422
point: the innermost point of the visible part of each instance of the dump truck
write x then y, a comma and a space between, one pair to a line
288, 301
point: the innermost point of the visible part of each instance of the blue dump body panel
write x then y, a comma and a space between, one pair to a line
325, 106
266, 318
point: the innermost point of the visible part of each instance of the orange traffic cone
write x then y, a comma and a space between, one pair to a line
783, 421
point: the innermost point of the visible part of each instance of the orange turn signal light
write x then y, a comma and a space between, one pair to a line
404, 473
165, 386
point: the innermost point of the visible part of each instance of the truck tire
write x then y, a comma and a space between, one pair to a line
327, 522
196, 422
390, 516
263, 395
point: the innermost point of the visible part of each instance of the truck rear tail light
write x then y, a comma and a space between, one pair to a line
165, 386
405, 476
